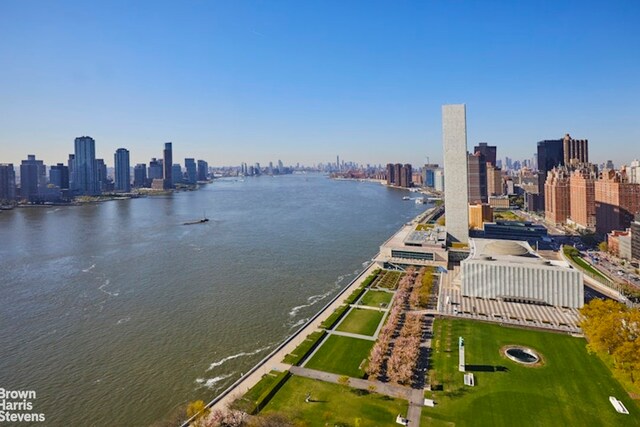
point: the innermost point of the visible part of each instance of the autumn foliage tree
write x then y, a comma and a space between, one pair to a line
613, 329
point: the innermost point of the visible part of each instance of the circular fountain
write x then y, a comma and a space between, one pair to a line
522, 355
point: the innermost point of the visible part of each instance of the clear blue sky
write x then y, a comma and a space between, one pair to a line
303, 81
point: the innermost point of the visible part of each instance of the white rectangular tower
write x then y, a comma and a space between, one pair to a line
454, 139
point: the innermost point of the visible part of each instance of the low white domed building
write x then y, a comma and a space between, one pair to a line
510, 270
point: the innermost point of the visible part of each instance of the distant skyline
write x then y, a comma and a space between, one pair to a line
232, 82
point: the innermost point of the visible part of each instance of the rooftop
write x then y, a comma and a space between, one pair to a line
511, 252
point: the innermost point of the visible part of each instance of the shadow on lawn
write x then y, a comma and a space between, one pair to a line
486, 368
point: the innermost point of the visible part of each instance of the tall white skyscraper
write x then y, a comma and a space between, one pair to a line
454, 139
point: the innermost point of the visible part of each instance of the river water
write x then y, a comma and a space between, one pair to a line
116, 314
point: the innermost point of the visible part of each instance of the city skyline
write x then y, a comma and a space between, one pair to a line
303, 82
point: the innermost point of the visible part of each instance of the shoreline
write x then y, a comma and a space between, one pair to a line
273, 361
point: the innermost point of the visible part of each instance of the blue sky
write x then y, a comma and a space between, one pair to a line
303, 81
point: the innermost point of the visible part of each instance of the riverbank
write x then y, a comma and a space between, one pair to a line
274, 360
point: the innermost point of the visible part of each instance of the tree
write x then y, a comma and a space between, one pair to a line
196, 408
603, 246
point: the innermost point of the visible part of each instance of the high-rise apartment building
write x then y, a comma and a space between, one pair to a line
140, 175
582, 198
85, 175
391, 175
122, 170
32, 178
7, 182
59, 176
550, 155
203, 170
495, 182
176, 174
477, 177
192, 170
456, 200
429, 173
557, 199
405, 176
634, 172
167, 165
490, 152
155, 169
575, 151
617, 201
438, 180
101, 171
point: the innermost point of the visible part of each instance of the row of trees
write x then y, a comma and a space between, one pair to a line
234, 418
396, 351
422, 289
613, 329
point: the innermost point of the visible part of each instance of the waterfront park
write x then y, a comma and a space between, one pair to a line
385, 357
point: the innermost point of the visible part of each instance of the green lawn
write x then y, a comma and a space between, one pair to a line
259, 393
334, 404
571, 388
375, 298
297, 355
361, 321
341, 355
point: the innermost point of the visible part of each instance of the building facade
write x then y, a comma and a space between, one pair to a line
582, 198
85, 174
7, 182
167, 165
495, 181
490, 152
550, 154
454, 138
59, 176
140, 175
192, 170
557, 199
203, 170
32, 178
617, 201
477, 178
575, 151
122, 170
635, 238
511, 270
479, 214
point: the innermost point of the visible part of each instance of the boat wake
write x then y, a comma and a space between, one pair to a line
123, 320
211, 382
86, 270
235, 356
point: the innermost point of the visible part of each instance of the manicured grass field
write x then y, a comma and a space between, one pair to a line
334, 404
361, 321
305, 347
341, 355
571, 388
375, 298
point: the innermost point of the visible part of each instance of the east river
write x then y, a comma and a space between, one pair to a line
117, 314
